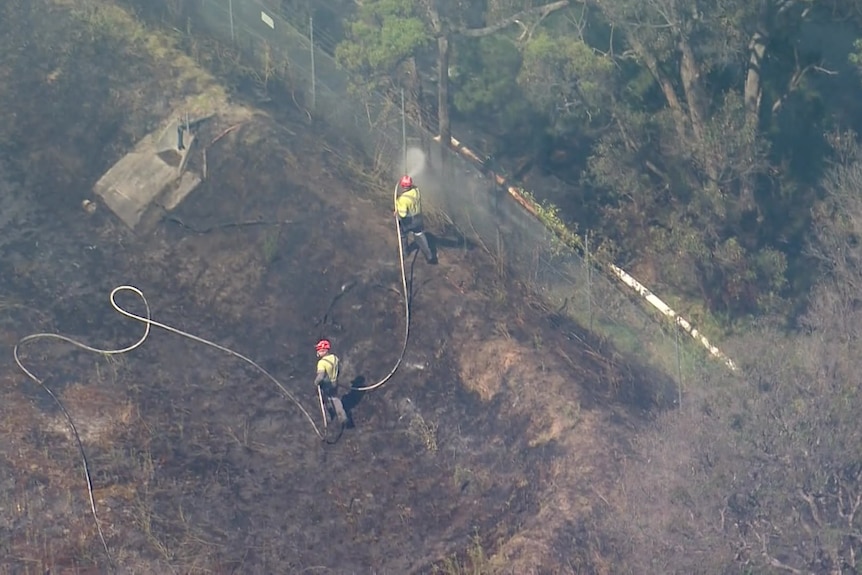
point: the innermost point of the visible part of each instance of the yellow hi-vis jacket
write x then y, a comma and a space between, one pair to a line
327, 369
408, 204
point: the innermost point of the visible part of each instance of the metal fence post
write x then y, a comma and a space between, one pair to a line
313, 73
589, 278
678, 367
403, 133
230, 13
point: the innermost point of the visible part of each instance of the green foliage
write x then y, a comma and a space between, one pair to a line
484, 79
567, 78
748, 280
855, 56
732, 142
688, 225
640, 86
564, 238
385, 34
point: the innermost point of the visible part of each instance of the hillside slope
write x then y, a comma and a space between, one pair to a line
499, 431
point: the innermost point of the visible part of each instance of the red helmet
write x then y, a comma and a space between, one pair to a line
406, 182
323, 345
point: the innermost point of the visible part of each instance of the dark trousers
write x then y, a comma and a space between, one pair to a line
415, 226
332, 401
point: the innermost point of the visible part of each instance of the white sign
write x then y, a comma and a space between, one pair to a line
267, 19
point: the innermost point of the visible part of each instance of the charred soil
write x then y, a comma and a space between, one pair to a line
499, 434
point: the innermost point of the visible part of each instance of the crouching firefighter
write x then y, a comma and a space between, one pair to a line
408, 210
326, 380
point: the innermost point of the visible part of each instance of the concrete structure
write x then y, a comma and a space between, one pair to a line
152, 177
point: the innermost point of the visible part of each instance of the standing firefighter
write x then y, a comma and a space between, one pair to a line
326, 379
408, 209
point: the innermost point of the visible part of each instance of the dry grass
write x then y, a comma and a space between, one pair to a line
50, 490
216, 287
534, 380
537, 390
424, 431
199, 92
497, 361
489, 364
374, 182
49, 484
473, 562
100, 413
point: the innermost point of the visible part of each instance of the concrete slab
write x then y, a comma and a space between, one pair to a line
184, 186
153, 169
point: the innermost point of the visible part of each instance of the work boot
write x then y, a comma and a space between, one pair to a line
422, 242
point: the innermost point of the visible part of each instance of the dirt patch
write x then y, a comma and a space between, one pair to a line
100, 414
488, 365
497, 428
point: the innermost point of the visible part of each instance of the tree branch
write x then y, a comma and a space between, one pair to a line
772, 561
526, 33
848, 502
812, 506
434, 17
851, 516
542, 12
784, 6
796, 80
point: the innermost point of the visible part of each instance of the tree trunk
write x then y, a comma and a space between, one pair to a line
689, 73
753, 84
698, 108
444, 129
666, 87
753, 96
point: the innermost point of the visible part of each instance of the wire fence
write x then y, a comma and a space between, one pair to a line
476, 205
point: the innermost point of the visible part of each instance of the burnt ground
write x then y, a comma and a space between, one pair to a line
494, 442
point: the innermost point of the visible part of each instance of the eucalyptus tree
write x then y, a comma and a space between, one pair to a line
388, 39
702, 117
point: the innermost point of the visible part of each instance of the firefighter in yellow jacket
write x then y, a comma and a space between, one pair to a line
327, 378
408, 209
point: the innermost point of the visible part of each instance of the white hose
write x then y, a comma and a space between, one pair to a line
322, 408
148, 323
406, 310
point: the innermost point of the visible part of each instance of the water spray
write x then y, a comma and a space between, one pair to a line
414, 163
